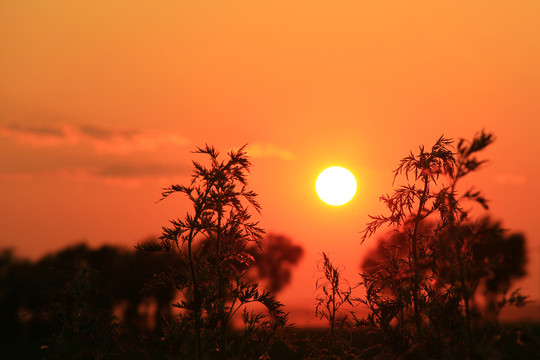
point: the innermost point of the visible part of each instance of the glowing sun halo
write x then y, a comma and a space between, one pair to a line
336, 185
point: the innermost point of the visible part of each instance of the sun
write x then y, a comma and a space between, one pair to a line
336, 185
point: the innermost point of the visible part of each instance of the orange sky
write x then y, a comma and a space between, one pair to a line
101, 104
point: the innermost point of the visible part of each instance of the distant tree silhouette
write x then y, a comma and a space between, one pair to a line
498, 257
274, 260
496, 260
274, 256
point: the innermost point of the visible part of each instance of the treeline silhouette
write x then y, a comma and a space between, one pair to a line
79, 290
107, 298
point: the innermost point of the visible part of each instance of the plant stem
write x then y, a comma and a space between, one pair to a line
196, 290
464, 288
332, 319
417, 221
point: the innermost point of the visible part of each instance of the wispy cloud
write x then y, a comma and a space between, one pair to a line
39, 136
104, 140
121, 174
268, 150
511, 179
142, 170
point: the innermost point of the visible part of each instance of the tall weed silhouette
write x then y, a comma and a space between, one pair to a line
420, 292
211, 241
333, 293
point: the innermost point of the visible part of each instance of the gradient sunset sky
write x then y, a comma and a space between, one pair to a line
101, 103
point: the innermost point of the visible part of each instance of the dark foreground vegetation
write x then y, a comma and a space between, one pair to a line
432, 288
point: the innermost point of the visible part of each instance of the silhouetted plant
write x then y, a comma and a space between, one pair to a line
419, 297
211, 242
333, 291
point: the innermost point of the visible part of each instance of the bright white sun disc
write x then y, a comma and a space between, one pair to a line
336, 185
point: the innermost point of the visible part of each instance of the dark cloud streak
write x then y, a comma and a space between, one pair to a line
147, 169
102, 139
